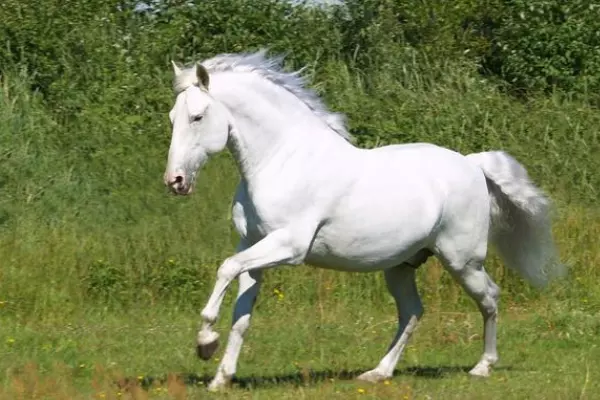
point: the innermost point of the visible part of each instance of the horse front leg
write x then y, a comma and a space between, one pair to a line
208, 339
281, 247
249, 286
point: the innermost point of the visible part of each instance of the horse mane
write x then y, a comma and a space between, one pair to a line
270, 69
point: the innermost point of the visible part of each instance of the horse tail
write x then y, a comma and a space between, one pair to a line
520, 219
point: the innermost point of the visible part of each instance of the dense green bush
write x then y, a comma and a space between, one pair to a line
548, 44
71, 48
532, 46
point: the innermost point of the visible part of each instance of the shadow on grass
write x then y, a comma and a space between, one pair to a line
308, 377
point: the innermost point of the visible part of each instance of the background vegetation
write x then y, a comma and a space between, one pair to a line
90, 240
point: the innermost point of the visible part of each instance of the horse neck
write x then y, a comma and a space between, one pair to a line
268, 124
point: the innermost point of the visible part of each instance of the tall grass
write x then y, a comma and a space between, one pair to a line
85, 221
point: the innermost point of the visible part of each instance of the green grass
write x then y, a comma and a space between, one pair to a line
103, 275
311, 343
548, 350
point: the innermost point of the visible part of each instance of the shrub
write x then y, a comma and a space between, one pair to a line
541, 45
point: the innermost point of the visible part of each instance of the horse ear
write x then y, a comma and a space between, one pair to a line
202, 75
176, 69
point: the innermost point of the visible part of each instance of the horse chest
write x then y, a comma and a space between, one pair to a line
254, 220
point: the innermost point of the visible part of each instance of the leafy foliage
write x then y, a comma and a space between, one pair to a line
548, 44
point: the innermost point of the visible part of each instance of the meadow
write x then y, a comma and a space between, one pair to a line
103, 274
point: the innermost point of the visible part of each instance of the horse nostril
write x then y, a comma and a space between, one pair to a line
175, 180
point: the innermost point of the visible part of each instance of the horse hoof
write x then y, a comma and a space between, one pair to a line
481, 370
206, 351
208, 343
372, 376
218, 385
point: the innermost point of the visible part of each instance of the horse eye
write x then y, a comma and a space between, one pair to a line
197, 118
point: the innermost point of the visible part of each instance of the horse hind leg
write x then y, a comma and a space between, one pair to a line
402, 286
487, 301
467, 269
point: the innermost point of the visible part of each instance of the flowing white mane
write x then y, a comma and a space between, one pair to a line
270, 69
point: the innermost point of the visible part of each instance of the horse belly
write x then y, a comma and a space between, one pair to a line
356, 245
384, 221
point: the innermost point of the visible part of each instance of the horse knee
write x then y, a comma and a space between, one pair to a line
229, 270
241, 325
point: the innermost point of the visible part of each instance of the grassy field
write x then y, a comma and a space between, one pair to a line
547, 353
310, 342
103, 275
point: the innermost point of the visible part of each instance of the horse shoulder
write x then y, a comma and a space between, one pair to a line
244, 216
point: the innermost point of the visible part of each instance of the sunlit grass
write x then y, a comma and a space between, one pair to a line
313, 332
545, 353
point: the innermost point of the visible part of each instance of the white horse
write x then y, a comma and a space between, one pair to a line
307, 195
